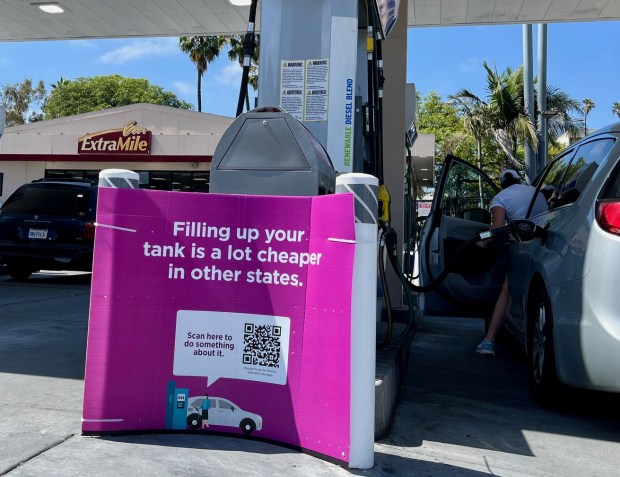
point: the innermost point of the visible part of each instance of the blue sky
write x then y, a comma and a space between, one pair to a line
583, 60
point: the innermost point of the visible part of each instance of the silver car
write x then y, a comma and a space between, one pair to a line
565, 308
222, 413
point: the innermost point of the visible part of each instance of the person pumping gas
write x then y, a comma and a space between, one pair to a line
510, 204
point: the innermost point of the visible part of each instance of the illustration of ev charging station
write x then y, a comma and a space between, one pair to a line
252, 309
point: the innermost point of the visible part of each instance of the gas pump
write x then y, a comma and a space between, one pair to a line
321, 63
267, 151
176, 407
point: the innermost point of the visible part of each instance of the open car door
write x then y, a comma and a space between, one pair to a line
460, 210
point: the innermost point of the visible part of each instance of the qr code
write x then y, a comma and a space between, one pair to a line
261, 345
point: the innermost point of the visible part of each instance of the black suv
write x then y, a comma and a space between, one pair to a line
50, 225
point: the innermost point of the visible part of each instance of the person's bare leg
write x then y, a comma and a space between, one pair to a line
499, 312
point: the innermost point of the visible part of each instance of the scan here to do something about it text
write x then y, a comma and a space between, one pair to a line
222, 262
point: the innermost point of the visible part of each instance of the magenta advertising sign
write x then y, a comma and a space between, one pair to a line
222, 313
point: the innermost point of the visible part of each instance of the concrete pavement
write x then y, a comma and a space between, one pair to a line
459, 414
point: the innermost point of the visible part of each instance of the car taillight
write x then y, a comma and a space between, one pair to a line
89, 230
608, 215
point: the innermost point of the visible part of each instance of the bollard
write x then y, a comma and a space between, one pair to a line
119, 179
363, 316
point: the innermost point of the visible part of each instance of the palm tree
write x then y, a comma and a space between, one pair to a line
61, 82
616, 109
507, 119
202, 50
476, 121
504, 111
588, 105
236, 54
566, 118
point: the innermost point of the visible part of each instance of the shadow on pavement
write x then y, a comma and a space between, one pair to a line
454, 402
457, 397
43, 324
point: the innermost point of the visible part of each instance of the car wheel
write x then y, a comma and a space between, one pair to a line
194, 421
18, 272
542, 375
248, 426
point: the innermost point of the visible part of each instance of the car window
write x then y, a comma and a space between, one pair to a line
68, 201
225, 405
197, 403
555, 173
611, 190
467, 195
570, 174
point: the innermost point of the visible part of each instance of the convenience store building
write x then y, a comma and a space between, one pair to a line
170, 148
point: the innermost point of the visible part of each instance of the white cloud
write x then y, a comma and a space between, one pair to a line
139, 49
229, 75
184, 87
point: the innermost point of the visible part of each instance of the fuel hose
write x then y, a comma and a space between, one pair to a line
249, 44
390, 239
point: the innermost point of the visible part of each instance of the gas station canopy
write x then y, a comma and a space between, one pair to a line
22, 20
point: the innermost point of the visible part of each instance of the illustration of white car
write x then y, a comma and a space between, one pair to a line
222, 413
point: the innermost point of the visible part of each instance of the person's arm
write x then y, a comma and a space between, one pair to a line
498, 219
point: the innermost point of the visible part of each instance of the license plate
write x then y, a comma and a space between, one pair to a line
37, 233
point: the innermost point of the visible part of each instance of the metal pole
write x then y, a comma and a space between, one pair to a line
528, 95
2, 119
542, 97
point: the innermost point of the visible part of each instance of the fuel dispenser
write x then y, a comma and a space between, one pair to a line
176, 407
266, 151
322, 62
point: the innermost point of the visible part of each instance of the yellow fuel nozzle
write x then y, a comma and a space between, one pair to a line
384, 204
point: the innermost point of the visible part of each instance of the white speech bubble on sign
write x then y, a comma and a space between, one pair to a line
231, 345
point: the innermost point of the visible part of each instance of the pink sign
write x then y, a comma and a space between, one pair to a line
224, 313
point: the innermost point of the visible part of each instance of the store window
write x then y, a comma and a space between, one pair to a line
89, 175
200, 181
159, 180
181, 181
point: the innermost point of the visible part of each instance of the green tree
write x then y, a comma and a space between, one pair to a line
435, 116
565, 120
442, 119
235, 53
505, 112
83, 95
504, 107
615, 109
588, 105
476, 122
22, 101
202, 50
60, 82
